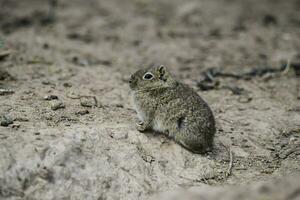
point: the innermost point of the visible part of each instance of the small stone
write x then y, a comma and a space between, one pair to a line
245, 146
46, 46
57, 105
82, 112
80, 61
293, 140
119, 105
67, 85
4, 54
28, 92
4, 75
6, 121
88, 102
269, 20
47, 82
50, 97
244, 99
6, 92
16, 126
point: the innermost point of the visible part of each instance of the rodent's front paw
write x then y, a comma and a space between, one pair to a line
140, 126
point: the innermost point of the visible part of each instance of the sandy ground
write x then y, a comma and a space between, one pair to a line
67, 124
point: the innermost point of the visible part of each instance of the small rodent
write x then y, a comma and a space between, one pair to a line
172, 108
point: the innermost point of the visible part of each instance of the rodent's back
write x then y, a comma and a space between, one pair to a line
184, 105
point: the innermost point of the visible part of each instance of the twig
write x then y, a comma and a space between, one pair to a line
230, 163
204, 179
287, 67
96, 101
298, 90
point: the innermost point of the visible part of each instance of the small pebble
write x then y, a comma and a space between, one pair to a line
16, 126
244, 99
45, 82
87, 102
6, 92
57, 105
119, 105
4, 54
6, 121
67, 85
293, 140
46, 46
80, 61
50, 97
82, 112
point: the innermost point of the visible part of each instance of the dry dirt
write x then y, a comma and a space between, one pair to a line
67, 124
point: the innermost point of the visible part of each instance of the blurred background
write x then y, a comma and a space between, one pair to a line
182, 34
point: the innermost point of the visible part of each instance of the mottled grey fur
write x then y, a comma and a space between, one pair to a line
170, 107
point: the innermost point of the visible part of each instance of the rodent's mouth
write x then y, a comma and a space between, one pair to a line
131, 85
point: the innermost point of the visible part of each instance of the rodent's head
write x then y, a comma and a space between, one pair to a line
150, 79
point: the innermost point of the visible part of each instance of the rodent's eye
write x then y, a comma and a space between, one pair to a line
148, 76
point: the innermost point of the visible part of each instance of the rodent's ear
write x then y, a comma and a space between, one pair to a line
162, 72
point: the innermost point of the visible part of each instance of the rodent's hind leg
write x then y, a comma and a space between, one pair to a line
186, 140
193, 147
